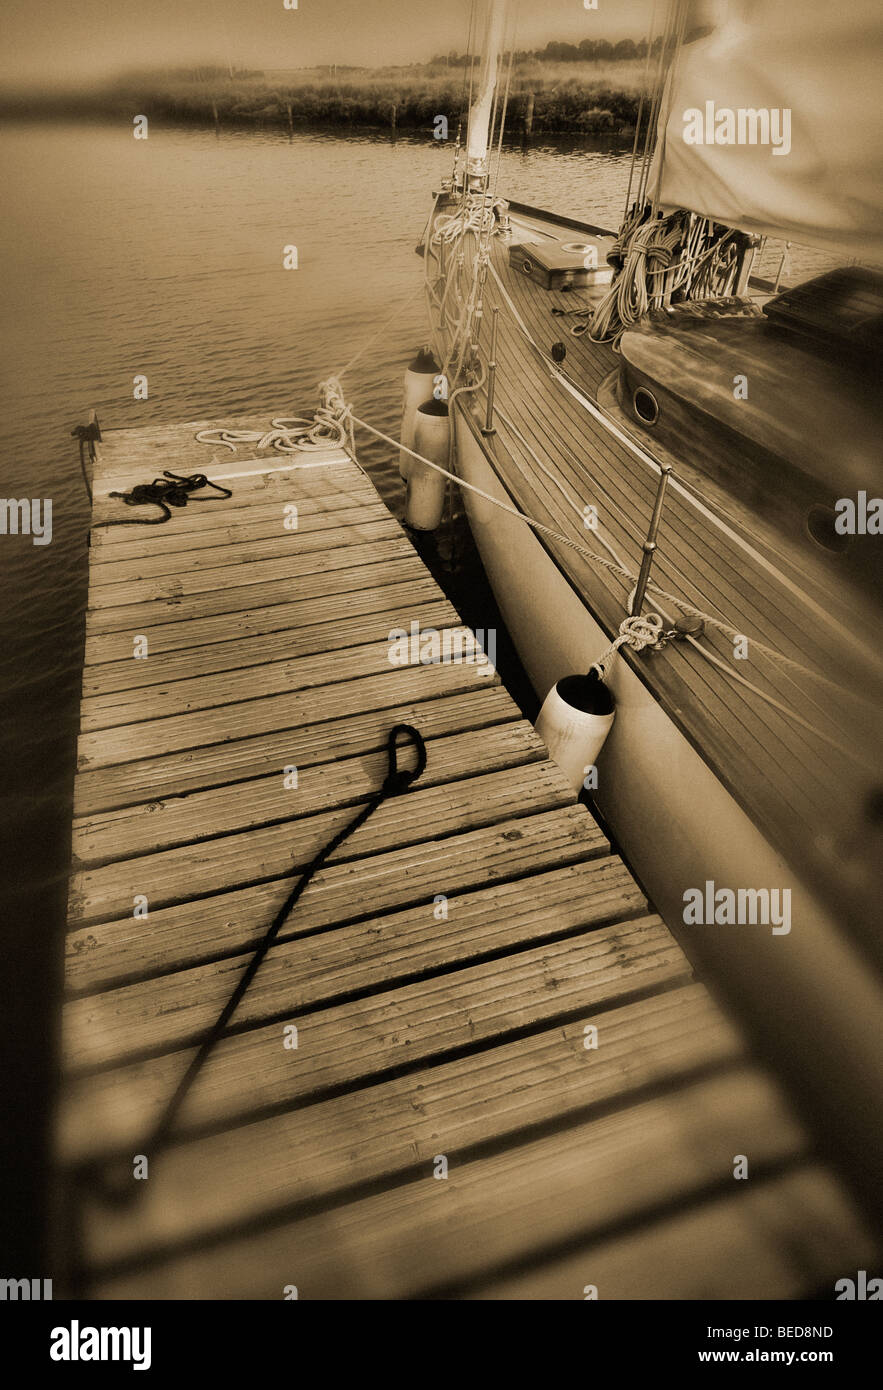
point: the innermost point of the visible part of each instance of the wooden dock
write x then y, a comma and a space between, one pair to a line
444, 971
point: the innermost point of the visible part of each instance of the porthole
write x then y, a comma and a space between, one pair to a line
645, 406
820, 525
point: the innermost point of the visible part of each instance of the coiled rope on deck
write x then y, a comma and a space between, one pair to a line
657, 259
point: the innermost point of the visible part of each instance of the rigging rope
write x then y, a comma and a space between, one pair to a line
659, 258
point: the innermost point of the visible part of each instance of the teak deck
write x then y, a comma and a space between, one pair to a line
792, 784
422, 1034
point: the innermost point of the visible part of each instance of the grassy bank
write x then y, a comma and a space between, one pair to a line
567, 96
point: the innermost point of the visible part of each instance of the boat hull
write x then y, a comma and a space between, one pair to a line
678, 825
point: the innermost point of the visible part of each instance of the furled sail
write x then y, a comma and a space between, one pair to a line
770, 123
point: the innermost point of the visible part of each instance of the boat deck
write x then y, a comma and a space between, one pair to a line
801, 756
441, 970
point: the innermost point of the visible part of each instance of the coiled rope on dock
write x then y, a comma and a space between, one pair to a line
291, 434
171, 490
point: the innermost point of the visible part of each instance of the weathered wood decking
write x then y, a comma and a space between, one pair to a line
423, 1031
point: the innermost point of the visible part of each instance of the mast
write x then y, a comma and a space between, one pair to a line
480, 111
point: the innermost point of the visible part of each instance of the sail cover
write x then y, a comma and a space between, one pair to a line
770, 123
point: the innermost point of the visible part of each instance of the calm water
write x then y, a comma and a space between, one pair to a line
164, 257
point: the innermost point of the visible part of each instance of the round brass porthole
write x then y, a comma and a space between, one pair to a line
820, 527
645, 405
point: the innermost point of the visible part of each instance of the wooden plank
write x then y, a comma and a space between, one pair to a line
344, 556
394, 1128
251, 522
499, 1208
178, 450
174, 1010
178, 820
128, 784
205, 660
273, 543
318, 611
104, 747
785, 1238
227, 923
267, 852
211, 691
420, 1030
140, 454
253, 1071
247, 478
376, 570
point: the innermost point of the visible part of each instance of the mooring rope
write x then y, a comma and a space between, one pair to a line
638, 632
171, 490
120, 1187
677, 602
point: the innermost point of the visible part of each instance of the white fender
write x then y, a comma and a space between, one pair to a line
575, 719
425, 501
418, 382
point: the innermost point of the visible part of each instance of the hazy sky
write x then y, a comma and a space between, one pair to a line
52, 41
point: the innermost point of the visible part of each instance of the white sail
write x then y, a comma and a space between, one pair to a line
771, 123
480, 111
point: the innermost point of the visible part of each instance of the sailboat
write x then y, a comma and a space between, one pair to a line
658, 445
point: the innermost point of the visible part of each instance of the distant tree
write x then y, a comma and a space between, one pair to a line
603, 51
587, 48
626, 48
561, 52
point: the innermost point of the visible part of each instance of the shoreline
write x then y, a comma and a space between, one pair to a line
27, 114
547, 98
